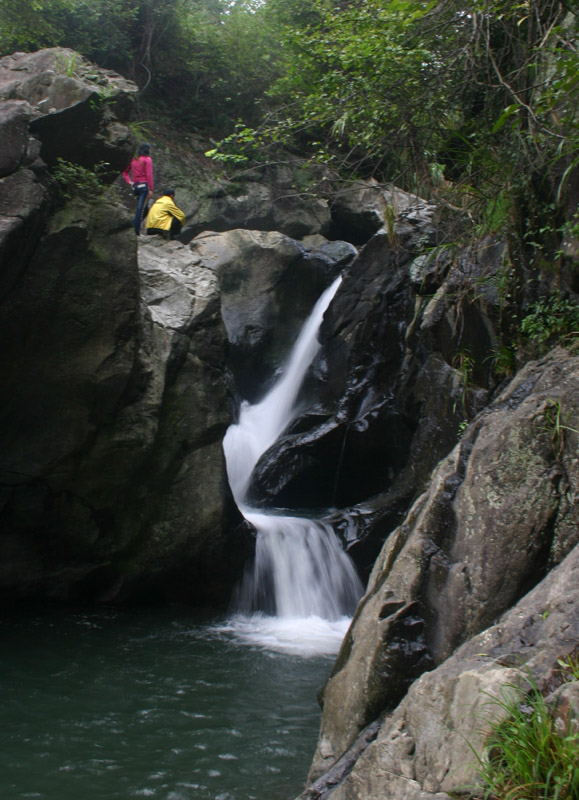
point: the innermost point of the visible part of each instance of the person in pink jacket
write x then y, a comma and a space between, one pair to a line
139, 175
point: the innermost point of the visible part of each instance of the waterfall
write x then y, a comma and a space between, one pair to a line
301, 576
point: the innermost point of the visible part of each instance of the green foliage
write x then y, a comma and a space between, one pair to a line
502, 280
67, 66
570, 229
464, 363
525, 757
496, 215
504, 360
556, 426
462, 426
476, 104
100, 30
141, 130
551, 318
77, 181
354, 74
475, 107
569, 667
202, 62
238, 147
24, 25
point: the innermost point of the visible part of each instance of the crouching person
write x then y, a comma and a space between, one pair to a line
165, 218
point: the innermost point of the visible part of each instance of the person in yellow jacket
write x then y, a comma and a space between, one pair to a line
164, 217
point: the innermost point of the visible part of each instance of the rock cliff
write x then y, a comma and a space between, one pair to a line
115, 398
498, 514
425, 749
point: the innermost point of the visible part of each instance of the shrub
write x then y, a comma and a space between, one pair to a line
75, 180
550, 318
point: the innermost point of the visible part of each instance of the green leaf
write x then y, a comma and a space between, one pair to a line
507, 112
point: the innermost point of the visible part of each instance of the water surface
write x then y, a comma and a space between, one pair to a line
161, 704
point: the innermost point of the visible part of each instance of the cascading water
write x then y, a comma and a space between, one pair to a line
301, 575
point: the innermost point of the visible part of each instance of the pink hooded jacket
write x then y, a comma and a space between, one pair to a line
140, 170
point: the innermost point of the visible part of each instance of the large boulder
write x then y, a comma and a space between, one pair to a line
190, 543
76, 110
269, 284
361, 208
112, 419
428, 747
266, 198
497, 514
259, 206
53, 105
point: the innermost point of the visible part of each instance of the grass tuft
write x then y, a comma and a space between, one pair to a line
525, 758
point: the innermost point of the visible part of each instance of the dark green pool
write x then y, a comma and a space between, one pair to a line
127, 704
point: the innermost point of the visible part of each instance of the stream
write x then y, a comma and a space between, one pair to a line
115, 704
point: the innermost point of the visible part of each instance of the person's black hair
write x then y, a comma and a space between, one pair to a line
144, 149
170, 192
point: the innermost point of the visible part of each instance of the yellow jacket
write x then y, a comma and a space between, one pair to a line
162, 212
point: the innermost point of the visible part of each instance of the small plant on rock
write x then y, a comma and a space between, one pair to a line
556, 425
504, 360
569, 666
525, 758
464, 364
67, 65
77, 181
553, 318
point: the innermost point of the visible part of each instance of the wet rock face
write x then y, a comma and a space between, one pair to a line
353, 380
495, 517
388, 392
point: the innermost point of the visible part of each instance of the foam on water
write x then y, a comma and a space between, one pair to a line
297, 636
304, 566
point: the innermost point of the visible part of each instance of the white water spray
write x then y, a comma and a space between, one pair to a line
300, 569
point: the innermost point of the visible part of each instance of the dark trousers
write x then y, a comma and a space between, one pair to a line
140, 190
174, 230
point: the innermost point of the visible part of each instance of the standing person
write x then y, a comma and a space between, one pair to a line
139, 175
165, 218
